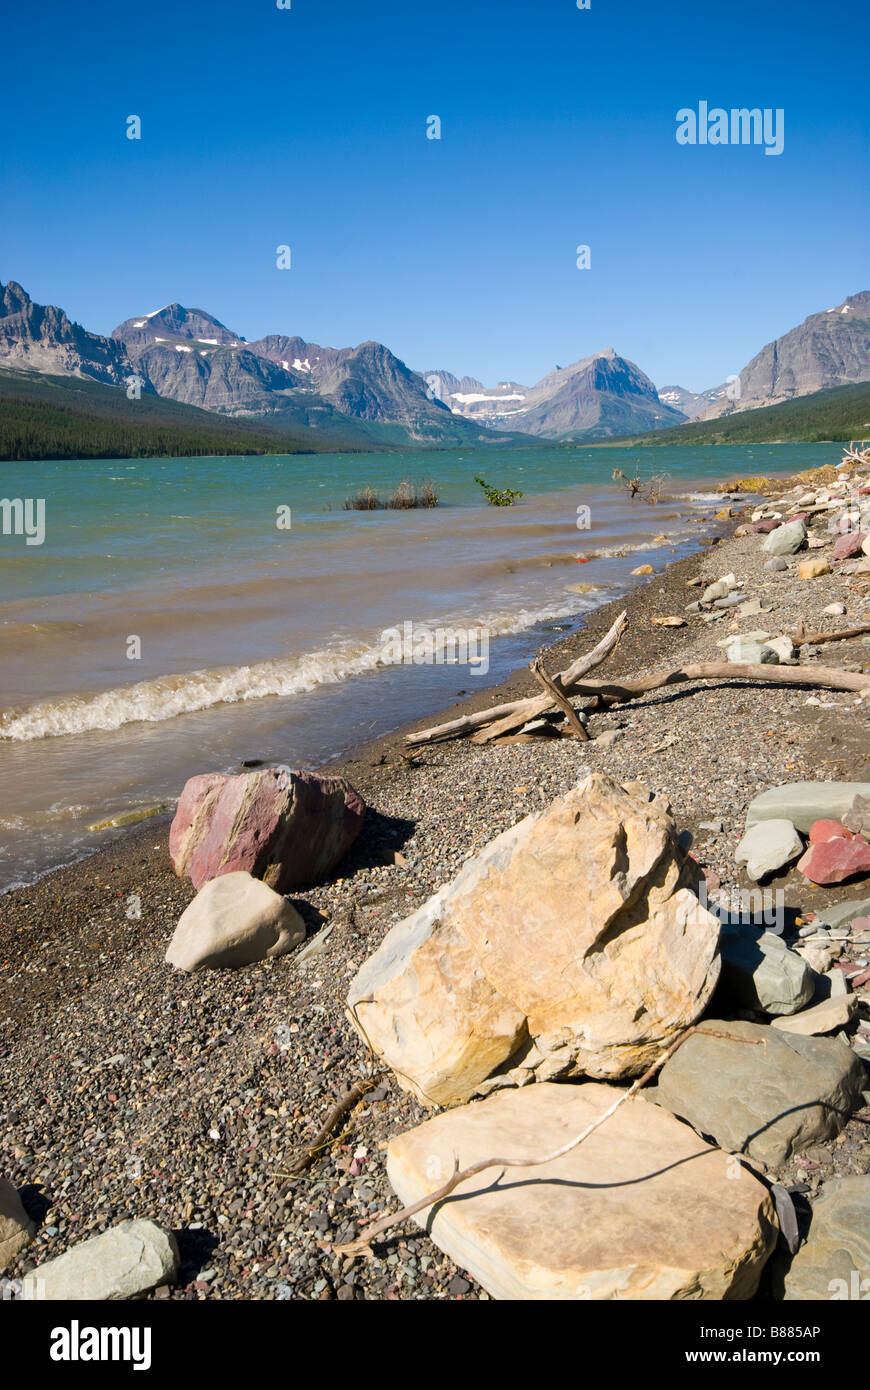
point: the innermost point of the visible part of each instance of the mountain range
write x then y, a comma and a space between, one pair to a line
365, 396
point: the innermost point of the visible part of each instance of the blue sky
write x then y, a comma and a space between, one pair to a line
307, 127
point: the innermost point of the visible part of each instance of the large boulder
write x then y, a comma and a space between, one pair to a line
641, 1210
234, 920
805, 802
287, 828
16, 1228
787, 539
573, 943
760, 972
123, 1262
768, 1096
834, 1263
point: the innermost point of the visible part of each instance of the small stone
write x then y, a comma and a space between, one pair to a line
849, 545
767, 847
835, 610
643, 569
752, 653
776, 565
826, 1017
813, 569
783, 646
827, 829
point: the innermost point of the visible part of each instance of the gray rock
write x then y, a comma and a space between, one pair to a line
234, 920
776, 564
125, 1261
768, 1098
805, 802
16, 1228
720, 589
783, 646
834, 1263
752, 652
768, 846
841, 913
785, 540
760, 972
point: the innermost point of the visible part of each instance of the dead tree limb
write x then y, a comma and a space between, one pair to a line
800, 636
531, 706
559, 698
347, 1102
826, 677
362, 1245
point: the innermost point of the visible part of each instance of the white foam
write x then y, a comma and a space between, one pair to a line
169, 696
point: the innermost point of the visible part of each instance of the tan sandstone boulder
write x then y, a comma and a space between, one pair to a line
16, 1228
573, 943
642, 1209
234, 920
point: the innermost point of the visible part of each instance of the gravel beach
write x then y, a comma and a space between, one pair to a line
127, 1090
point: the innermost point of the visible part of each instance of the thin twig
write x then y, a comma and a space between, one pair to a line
347, 1102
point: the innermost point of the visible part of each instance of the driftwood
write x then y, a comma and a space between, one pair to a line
800, 636
531, 706
615, 692
362, 1245
559, 698
347, 1102
826, 677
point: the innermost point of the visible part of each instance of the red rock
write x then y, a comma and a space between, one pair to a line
822, 830
849, 545
764, 528
833, 861
861, 924
857, 981
286, 827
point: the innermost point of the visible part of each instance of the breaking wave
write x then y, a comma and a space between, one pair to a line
167, 697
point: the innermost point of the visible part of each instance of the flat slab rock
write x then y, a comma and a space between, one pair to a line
769, 1100
834, 1263
127, 1260
643, 1209
805, 802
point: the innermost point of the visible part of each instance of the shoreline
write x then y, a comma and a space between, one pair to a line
136, 1068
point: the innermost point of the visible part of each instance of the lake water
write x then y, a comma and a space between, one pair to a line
168, 625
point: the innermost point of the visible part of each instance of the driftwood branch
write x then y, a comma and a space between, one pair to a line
347, 1102
826, 677
362, 1245
533, 705
801, 636
559, 698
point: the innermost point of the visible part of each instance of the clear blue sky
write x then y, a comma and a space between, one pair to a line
307, 126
